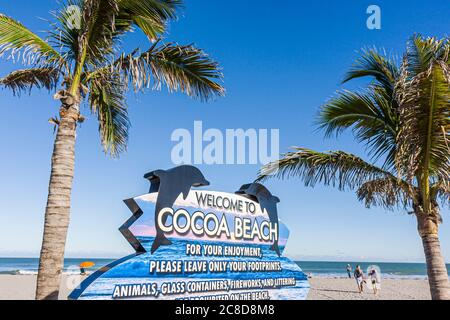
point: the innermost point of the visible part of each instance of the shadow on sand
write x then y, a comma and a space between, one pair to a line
340, 291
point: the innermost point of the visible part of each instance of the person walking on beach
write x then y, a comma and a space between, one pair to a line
373, 275
349, 271
359, 276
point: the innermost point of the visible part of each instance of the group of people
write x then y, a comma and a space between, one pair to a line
358, 274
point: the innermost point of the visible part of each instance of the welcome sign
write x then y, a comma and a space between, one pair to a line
200, 245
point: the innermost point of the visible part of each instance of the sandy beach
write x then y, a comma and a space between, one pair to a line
21, 287
346, 289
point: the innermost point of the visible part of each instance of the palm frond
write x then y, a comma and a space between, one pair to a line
103, 22
373, 64
424, 96
179, 68
107, 101
372, 114
441, 191
65, 31
24, 80
150, 16
24, 45
371, 117
91, 30
423, 52
387, 193
337, 168
98, 30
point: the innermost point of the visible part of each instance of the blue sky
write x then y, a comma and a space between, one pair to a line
281, 62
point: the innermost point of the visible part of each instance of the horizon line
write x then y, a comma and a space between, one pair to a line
351, 260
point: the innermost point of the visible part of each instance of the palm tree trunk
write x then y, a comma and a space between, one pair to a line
57, 212
436, 268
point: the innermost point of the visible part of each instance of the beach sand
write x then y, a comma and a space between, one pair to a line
346, 289
22, 287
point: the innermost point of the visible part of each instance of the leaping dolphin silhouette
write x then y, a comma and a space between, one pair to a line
170, 184
267, 201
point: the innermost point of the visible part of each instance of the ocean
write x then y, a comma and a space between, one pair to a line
389, 270
313, 268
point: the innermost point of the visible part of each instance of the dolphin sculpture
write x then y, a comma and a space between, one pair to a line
266, 200
170, 184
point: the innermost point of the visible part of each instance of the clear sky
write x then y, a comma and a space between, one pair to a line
281, 62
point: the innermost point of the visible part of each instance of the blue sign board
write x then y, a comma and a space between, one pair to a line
197, 244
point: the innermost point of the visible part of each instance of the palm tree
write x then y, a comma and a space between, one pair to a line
82, 56
403, 119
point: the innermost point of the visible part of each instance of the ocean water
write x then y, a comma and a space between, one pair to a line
313, 268
30, 265
389, 270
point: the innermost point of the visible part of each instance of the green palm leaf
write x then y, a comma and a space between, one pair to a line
98, 32
107, 101
179, 68
103, 22
19, 41
371, 117
377, 66
150, 16
336, 168
424, 113
372, 114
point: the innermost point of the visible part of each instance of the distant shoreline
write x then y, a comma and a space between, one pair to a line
316, 269
85, 258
